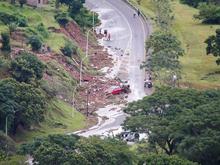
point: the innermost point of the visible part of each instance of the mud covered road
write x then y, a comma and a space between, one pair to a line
127, 47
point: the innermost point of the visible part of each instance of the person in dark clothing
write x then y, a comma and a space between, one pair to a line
138, 12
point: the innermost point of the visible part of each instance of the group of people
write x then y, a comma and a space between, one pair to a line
138, 13
147, 82
106, 34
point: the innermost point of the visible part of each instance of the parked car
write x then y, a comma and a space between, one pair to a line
130, 136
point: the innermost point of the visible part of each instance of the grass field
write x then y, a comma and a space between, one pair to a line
59, 118
198, 70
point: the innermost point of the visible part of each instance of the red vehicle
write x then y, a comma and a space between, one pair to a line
119, 90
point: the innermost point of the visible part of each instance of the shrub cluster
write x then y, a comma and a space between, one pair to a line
12, 18
69, 49
62, 18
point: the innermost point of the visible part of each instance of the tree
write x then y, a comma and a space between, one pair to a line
162, 159
24, 103
200, 129
5, 42
91, 151
49, 154
75, 7
167, 117
22, 2
27, 67
193, 3
209, 14
106, 152
166, 50
164, 15
213, 45
35, 43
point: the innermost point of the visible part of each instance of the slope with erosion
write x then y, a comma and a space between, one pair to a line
198, 70
61, 77
56, 81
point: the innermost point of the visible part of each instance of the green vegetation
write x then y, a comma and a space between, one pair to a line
181, 122
35, 43
71, 149
196, 3
192, 35
22, 104
5, 42
166, 50
7, 148
213, 45
64, 149
45, 18
62, 18
209, 14
198, 70
82, 16
27, 68
59, 82
14, 160
162, 159
59, 118
69, 49
7, 18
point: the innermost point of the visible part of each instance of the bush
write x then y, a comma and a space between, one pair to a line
13, 18
62, 19
5, 42
7, 145
35, 43
12, 27
42, 30
27, 67
69, 49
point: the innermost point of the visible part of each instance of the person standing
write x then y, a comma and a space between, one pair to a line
109, 37
138, 12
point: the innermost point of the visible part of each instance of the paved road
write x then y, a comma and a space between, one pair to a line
128, 35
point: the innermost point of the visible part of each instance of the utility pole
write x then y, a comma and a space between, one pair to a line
6, 122
87, 52
93, 20
6, 126
87, 103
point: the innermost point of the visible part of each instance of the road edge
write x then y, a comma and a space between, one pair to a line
144, 17
149, 29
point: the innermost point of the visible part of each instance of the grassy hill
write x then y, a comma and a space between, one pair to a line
60, 117
198, 69
35, 17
